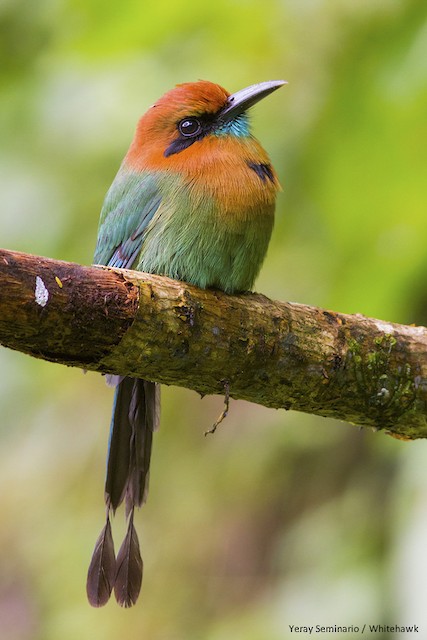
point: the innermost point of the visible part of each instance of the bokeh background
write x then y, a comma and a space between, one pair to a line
280, 518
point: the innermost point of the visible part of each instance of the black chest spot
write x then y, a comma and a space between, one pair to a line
263, 171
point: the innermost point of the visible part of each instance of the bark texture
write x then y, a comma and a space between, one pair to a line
277, 354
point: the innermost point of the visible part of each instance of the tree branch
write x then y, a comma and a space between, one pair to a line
277, 354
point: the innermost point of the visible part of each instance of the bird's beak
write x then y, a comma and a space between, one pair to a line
245, 98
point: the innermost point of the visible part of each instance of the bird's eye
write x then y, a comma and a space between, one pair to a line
189, 127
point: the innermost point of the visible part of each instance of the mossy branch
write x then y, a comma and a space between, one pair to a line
277, 354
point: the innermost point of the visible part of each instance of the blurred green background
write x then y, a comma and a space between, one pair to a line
280, 518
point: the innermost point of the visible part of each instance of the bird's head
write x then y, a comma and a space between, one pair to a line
190, 114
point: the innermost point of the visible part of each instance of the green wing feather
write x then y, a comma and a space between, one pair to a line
129, 206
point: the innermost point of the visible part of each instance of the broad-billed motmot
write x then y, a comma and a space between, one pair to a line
193, 200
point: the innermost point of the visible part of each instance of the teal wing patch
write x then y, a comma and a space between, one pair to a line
129, 206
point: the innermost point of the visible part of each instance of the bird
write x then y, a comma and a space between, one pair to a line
194, 200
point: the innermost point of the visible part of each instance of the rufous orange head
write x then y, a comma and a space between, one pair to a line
193, 112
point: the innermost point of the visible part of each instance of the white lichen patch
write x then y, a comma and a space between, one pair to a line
385, 327
41, 293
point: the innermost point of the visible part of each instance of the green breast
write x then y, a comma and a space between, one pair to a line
190, 239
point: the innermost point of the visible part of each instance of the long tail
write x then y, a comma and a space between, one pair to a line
135, 417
